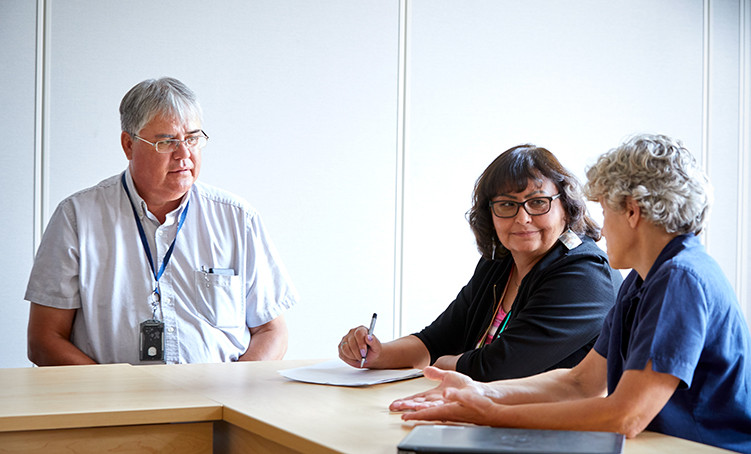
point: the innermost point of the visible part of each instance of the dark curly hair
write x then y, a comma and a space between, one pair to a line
511, 172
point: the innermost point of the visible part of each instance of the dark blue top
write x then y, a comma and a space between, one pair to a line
686, 319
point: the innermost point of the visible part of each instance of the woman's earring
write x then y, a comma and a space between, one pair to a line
570, 239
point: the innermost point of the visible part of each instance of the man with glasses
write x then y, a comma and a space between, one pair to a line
151, 266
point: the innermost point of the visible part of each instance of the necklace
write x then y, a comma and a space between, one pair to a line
516, 279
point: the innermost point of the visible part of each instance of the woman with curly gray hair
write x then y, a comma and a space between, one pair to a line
540, 291
659, 174
674, 354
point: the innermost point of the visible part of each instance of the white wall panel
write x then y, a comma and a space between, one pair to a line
299, 100
743, 273
723, 129
575, 77
17, 69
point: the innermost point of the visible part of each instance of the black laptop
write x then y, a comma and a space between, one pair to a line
442, 439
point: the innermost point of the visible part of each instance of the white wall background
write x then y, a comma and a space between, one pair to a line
358, 128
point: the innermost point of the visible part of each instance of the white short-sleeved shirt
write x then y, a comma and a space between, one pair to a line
91, 259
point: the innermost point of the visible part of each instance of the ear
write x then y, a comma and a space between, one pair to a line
127, 142
633, 212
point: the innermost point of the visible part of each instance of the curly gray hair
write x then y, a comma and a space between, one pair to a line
152, 97
661, 175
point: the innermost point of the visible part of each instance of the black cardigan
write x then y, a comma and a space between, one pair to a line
554, 321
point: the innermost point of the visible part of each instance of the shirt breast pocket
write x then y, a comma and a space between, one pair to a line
219, 299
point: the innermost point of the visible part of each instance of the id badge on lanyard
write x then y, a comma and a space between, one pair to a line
151, 344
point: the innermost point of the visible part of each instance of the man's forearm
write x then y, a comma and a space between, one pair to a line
265, 347
59, 352
268, 342
48, 337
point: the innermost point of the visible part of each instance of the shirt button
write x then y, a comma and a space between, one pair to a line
171, 329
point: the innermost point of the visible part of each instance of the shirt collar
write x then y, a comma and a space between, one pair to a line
676, 245
141, 207
672, 249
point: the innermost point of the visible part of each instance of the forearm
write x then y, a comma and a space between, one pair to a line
592, 414
48, 337
552, 386
447, 362
527, 403
587, 379
267, 342
56, 352
265, 348
405, 352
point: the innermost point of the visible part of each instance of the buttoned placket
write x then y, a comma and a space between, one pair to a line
163, 237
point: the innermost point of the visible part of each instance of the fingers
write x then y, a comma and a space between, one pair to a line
430, 398
457, 405
354, 346
445, 412
361, 335
470, 398
451, 383
448, 378
417, 403
425, 399
434, 373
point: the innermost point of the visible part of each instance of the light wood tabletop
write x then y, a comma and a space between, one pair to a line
276, 414
300, 416
37, 398
103, 408
226, 407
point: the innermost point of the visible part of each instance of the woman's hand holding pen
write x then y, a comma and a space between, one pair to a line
357, 344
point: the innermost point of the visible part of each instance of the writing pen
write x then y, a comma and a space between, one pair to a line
370, 333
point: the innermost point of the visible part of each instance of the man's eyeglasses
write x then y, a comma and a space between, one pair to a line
534, 207
171, 145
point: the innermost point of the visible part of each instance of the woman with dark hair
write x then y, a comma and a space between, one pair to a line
674, 354
539, 294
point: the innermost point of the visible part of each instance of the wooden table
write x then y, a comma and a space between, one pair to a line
270, 413
251, 407
95, 408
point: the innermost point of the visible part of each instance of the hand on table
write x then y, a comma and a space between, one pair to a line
450, 380
457, 398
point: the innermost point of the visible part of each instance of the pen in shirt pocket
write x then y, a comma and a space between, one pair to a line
222, 271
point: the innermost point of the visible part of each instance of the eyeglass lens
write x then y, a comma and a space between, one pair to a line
508, 209
168, 146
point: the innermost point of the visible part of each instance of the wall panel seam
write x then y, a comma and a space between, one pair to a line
705, 102
41, 124
400, 170
742, 258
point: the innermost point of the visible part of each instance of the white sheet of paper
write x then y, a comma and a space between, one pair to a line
337, 372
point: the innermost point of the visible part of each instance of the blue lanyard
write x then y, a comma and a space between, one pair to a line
147, 249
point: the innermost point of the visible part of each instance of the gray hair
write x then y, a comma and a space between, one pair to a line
661, 175
152, 97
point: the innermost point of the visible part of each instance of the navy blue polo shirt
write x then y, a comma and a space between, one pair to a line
685, 317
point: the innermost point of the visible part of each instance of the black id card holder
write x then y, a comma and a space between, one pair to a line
152, 340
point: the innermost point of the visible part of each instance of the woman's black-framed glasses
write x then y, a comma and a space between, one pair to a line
535, 206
